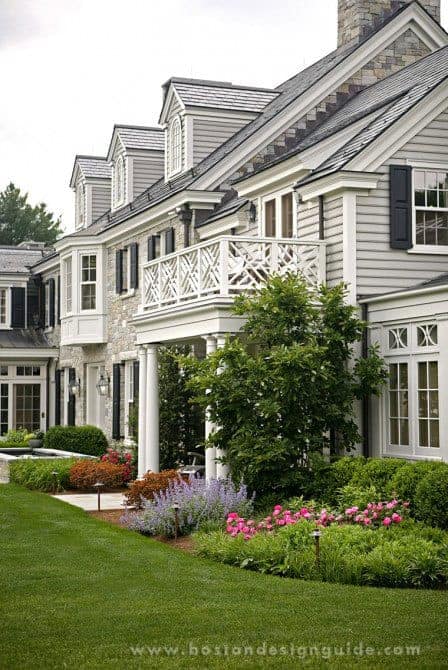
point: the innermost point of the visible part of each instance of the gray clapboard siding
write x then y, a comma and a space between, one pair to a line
210, 133
308, 229
100, 201
146, 171
380, 268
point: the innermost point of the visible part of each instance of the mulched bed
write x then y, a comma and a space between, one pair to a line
114, 516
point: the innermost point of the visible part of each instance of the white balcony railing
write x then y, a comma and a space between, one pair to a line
226, 266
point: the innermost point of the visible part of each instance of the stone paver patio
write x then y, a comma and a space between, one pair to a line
89, 501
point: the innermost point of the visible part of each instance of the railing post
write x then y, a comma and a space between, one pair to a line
224, 249
274, 255
199, 270
178, 283
159, 281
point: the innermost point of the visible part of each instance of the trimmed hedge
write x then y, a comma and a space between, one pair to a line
14, 445
88, 440
431, 498
84, 474
38, 474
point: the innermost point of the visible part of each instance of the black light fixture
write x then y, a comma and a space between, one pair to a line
74, 387
252, 213
103, 385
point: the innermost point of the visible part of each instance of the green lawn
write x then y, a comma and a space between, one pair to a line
78, 593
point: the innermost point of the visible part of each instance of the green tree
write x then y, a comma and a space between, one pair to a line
20, 221
278, 392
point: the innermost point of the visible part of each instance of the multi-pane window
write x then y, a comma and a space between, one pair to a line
4, 399
3, 370
3, 307
27, 406
398, 404
279, 217
175, 145
88, 282
47, 304
80, 197
68, 285
431, 207
428, 404
28, 370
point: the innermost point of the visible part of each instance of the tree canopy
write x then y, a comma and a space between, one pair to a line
20, 221
280, 392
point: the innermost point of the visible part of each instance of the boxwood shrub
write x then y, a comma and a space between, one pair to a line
79, 439
431, 498
5, 444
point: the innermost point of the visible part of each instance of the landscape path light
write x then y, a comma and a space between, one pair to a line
317, 534
98, 486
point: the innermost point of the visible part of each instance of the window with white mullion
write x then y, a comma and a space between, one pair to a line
428, 404
4, 320
88, 282
431, 207
128, 396
278, 216
399, 404
68, 285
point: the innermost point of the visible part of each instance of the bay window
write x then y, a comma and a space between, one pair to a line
431, 207
88, 282
278, 216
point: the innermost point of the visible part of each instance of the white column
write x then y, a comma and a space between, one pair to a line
222, 470
152, 404
141, 411
210, 452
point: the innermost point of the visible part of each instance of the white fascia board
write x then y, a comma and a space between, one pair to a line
435, 37
339, 181
145, 153
75, 174
405, 293
73, 242
403, 130
14, 278
172, 93
222, 226
290, 169
46, 266
28, 354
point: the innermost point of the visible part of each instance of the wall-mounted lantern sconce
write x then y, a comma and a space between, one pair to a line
74, 387
252, 213
103, 385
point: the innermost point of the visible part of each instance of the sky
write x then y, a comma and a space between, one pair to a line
70, 69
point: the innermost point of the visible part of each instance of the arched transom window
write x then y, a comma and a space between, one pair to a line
175, 146
80, 196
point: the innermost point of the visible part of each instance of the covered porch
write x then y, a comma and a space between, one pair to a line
188, 298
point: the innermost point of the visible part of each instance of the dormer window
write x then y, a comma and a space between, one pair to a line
175, 146
119, 181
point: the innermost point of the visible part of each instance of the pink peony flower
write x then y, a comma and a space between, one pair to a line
387, 521
396, 518
278, 508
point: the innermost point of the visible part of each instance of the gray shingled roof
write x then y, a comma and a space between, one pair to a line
140, 137
230, 207
223, 95
14, 259
440, 280
92, 167
399, 93
23, 339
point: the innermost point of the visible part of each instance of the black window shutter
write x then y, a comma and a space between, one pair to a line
71, 405
57, 398
400, 206
151, 248
119, 271
136, 379
41, 305
116, 373
18, 307
169, 241
133, 279
52, 301
32, 303
58, 311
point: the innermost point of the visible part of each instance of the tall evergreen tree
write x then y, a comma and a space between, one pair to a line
20, 221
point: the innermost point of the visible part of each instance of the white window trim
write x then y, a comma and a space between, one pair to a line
435, 249
80, 213
128, 397
66, 288
82, 283
47, 306
119, 181
128, 292
8, 315
413, 355
277, 196
176, 122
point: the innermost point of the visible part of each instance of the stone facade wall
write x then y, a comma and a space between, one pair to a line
356, 18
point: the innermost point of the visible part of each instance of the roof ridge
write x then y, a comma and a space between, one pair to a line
129, 127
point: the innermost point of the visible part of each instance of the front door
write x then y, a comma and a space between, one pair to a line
27, 407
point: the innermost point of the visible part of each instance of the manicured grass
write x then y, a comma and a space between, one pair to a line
78, 593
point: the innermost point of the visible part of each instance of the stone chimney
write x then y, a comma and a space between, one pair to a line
356, 18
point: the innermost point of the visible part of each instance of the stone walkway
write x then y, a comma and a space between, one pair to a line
89, 501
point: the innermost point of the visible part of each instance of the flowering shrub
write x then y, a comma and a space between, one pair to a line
152, 483
373, 516
116, 457
84, 474
200, 504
